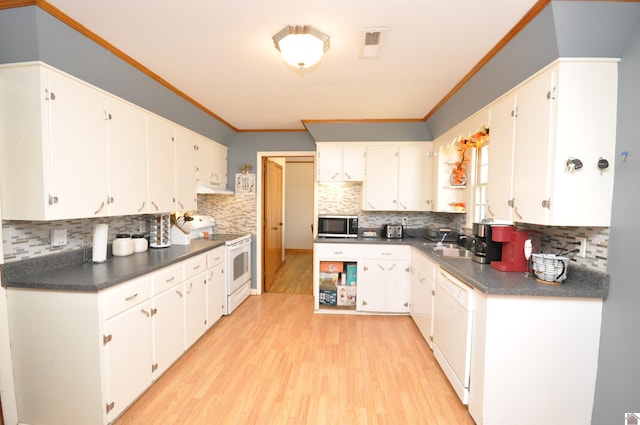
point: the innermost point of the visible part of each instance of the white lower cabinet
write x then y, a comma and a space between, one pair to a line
195, 298
128, 354
168, 328
85, 357
215, 285
423, 277
384, 285
534, 359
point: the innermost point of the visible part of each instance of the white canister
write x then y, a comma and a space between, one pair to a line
140, 243
122, 245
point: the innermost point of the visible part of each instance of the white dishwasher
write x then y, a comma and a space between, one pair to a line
452, 325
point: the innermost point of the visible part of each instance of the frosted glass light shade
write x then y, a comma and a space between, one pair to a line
301, 46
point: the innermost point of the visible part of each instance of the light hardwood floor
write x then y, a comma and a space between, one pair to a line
295, 276
273, 361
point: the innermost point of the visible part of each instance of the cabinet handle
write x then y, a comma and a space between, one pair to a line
489, 210
142, 206
381, 268
154, 311
110, 200
179, 293
196, 148
99, 209
517, 213
337, 252
190, 288
49, 95
196, 267
131, 297
107, 116
145, 312
172, 278
154, 367
546, 203
386, 253
181, 206
334, 176
347, 175
402, 205
392, 267
154, 205
110, 406
106, 339
53, 200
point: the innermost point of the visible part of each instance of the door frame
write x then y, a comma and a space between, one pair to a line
259, 206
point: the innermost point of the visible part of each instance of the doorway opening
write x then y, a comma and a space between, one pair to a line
286, 207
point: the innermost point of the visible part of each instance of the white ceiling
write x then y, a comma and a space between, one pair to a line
220, 53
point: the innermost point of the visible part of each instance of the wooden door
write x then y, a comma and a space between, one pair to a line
272, 226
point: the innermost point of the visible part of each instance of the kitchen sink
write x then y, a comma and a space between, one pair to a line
452, 251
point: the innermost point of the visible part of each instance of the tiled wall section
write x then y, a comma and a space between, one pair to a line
235, 214
26, 239
345, 198
30, 239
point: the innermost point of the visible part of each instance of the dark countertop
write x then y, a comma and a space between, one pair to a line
69, 272
580, 282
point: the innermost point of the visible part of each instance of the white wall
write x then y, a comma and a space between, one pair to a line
298, 212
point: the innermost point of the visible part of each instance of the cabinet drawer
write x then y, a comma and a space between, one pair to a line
387, 252
215, 257
126, 295
165, 278
195, 265
338, 251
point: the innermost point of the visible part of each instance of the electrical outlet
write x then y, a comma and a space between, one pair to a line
59, 237
405, 221
583, 247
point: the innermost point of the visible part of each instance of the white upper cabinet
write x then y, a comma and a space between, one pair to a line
127, 147
186, 146
53, 146
561, 126
70, 150
161, 165
211, 161
500, 184
398, 177
340, 162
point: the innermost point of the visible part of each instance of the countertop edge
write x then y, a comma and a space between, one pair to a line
69, 271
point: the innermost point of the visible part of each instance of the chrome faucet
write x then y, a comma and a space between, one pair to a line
442, 240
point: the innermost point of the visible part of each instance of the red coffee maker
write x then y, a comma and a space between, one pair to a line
513, 259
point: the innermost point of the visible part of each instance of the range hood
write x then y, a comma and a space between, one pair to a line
205, 187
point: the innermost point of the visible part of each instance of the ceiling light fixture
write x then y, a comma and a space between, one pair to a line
301, 46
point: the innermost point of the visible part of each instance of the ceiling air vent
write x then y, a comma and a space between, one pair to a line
372, 40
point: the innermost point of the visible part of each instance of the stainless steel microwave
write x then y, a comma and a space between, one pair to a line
338, 226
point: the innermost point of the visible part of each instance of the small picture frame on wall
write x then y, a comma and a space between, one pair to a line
245, 184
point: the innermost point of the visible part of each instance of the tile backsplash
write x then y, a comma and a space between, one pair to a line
237, 214
345, 198
29, 239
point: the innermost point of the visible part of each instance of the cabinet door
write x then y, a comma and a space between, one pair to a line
77, 148
168, 328
161, 165
500, 181
397, 286
205, 158
531, 150
195, 310
329, 165
381, 184
215, 293
126, 139
353, 162
414, 178
128, 355
219, 163
372, 286
186, 145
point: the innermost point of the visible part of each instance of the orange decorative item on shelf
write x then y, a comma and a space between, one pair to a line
457, 206
476, 140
